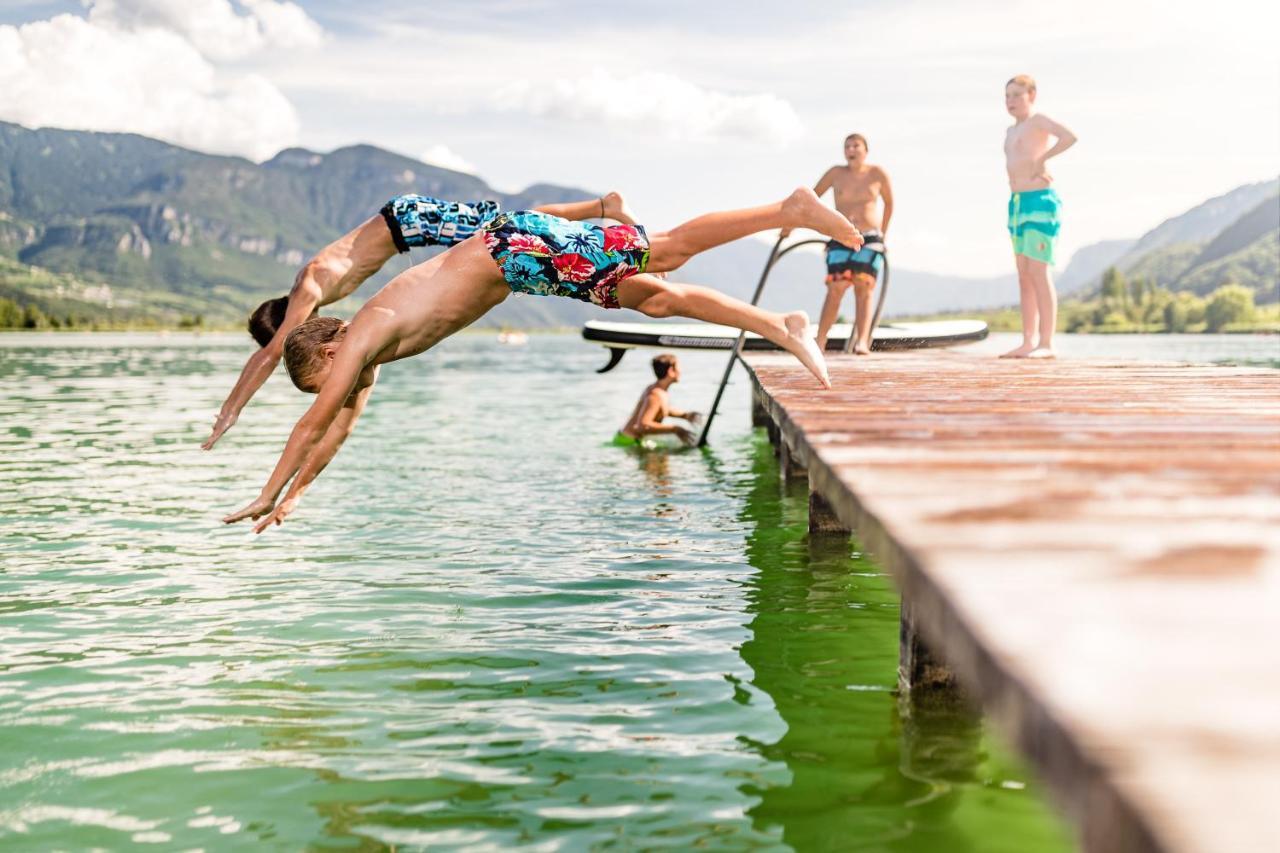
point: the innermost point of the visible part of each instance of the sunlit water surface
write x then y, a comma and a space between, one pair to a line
483, 628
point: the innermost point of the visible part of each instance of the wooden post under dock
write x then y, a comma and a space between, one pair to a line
1093, 549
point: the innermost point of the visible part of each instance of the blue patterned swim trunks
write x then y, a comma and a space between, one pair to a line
418, 220
844, 263
549, 256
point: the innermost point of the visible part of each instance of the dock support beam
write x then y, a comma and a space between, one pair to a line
919, 669
759, 414
788, 465
822, 518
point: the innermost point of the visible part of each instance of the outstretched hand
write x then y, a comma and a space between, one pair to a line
220, 425
257, 509
277, 515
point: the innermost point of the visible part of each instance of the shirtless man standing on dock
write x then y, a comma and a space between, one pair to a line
858, 187
1034, 208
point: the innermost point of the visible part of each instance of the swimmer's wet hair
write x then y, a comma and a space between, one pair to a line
302, 349
662, 364
266, 318
860, 138
1026, 81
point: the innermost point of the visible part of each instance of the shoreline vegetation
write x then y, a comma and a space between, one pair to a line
1135, 305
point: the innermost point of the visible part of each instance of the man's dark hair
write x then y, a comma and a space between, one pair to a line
266, 318
302, 349
860, 138
662, 364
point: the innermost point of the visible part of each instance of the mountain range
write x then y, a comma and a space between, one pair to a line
127, 227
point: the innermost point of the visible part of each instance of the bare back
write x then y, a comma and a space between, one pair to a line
857, 193
429, 302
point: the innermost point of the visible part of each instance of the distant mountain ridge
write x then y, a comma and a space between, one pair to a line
126, 226
220, 233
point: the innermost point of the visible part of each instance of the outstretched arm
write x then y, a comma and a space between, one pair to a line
303, 299
348, 364
341, 428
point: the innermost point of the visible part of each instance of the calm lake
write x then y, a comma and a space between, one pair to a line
483, 628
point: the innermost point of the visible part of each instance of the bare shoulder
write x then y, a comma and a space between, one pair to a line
879, 173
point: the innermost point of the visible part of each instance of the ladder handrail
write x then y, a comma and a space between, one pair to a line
774, 256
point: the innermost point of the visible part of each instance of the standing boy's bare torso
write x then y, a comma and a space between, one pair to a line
1024, 144
857, 193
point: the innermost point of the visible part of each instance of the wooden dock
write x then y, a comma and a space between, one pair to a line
1092, 548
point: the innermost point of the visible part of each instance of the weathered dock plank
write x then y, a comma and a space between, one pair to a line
1094, 549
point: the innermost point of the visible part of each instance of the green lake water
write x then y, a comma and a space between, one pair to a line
482, 629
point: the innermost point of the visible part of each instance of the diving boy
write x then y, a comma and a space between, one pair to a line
1034, 209
525, 252
405, 222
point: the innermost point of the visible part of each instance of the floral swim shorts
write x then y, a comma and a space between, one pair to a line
419, 220
549, 256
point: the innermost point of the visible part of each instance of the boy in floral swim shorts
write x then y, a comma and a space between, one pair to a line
405, 222
532, 253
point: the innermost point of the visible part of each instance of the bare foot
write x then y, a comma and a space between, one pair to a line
861, 349
802, 209
1020, 352
615, 207
800, 343
1042, 352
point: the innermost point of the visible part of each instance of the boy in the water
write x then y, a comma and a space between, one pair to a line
405, 222
526, 252
1034, 209
655, 407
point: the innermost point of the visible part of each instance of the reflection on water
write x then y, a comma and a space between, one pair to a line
824, 651
483, 628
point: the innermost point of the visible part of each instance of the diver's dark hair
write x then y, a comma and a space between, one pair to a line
266, 318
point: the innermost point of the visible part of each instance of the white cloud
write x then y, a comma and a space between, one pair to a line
659, 103
446, 158
74, 73
214, 27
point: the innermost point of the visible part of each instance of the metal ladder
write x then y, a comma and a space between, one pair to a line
734, 356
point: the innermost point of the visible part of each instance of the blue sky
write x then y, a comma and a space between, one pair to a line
689, 107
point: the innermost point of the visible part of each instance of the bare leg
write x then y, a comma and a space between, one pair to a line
830, 309
609, 206
660, 298
802, 209
862, 286
1047, 304
1027, 301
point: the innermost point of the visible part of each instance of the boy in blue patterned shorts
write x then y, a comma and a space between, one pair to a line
1033, 213
525, 252
405, 222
